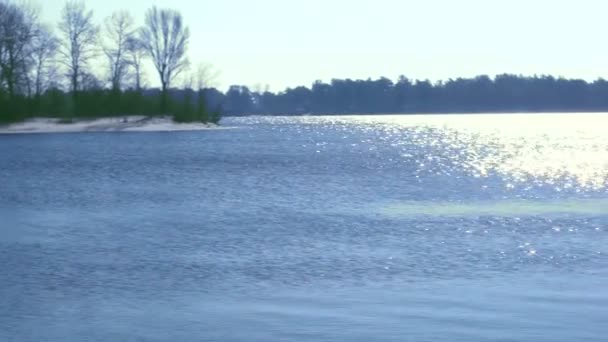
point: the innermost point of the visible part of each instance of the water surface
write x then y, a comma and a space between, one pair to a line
352, 228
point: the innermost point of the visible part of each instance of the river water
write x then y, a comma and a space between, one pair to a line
346, 228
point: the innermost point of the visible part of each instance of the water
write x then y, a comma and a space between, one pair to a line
415, 228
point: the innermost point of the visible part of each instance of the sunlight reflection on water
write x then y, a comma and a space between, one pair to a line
547, 148
566, 151
572, 148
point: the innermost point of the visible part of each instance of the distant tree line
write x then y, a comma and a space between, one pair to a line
503, 93
44, 74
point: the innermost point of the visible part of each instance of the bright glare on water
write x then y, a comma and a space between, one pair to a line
568, 150
335, 228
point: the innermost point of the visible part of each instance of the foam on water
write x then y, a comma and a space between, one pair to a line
510, 208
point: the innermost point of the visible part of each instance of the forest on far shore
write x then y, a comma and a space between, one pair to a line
482, 94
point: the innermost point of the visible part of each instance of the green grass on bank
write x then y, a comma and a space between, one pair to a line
104, 103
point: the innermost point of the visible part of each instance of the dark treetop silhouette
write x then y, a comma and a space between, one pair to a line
504, 93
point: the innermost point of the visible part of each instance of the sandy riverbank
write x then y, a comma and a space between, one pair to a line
114, 124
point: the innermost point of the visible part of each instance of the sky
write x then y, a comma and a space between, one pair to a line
288, 43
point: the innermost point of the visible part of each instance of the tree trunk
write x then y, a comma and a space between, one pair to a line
164, 105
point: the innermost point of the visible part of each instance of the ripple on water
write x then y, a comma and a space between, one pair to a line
476, 227
568, 152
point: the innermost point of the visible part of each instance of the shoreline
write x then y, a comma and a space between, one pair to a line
130, 123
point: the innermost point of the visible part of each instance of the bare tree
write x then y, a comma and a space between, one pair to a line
188, 79
91, 82
207, 76
119, 29
6, 11
165, 39
135, 54
78, 47
18, 25
43, 50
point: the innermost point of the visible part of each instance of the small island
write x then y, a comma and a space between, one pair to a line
52, 83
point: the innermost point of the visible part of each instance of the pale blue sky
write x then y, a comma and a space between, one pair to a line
288, 43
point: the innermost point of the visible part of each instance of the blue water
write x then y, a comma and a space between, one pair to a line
460, 228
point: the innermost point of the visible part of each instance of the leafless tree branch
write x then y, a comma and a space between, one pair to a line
119, 30
78, 46
18, 28
165, 39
